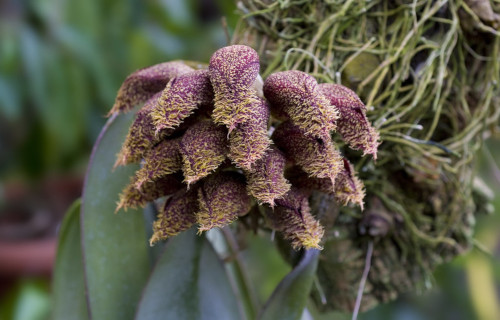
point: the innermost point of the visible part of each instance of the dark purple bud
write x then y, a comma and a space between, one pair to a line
203, 148
316, 156
144, 83
296, 94
352, 123
131, 197
249, 141
222, 199
181, 97
266, 181
292, 217
233, 70
177, 215
163, 159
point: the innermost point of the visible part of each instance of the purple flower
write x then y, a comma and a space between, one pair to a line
266, 181
249, 141
203, 148
352, 123
180, 98
132, 197
222, 199
297, 95
177, 215
292, 217
144, 83
233, 71
316, 156
163, 159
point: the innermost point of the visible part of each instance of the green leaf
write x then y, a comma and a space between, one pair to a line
68, 288
116, 259
290, 297
189, 282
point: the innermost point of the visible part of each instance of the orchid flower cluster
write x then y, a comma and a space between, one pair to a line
214, 143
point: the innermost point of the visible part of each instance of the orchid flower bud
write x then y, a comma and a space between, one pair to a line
177, 215
203, 148
347, 188
222, 198
296, 94
131, 197
180, 98
292, 217
233, 71
164, 159
249, 141
141, 135
316, 156
352, 123
144, 83
267, 182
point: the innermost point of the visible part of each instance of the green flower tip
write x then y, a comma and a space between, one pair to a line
144, 83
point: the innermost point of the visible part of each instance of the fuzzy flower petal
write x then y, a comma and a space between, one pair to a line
203, 149
131, 197
318, 157
178, 214
141, 135
233, 71
249, 141
164, 159
181, 97
292, 216
347, 189
297, 94
267, 182
222, 198
144, 83
352, 124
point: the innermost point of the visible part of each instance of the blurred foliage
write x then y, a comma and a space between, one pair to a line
62, 61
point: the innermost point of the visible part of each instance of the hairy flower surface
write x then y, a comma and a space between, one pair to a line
352, 123
266, 182
177, 215
249, 141
212, 126
144, 83
132, 197
233, 71
292, 216
347, 188
222, 199
163, 159
203, 148
316, 156
297, 94
180, 98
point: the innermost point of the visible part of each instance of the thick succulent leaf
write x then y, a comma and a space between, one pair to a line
189, 282
290, 297
68, 288
116, 260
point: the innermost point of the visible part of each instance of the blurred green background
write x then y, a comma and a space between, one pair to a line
61, 64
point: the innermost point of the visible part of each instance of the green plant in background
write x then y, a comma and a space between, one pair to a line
420, 197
